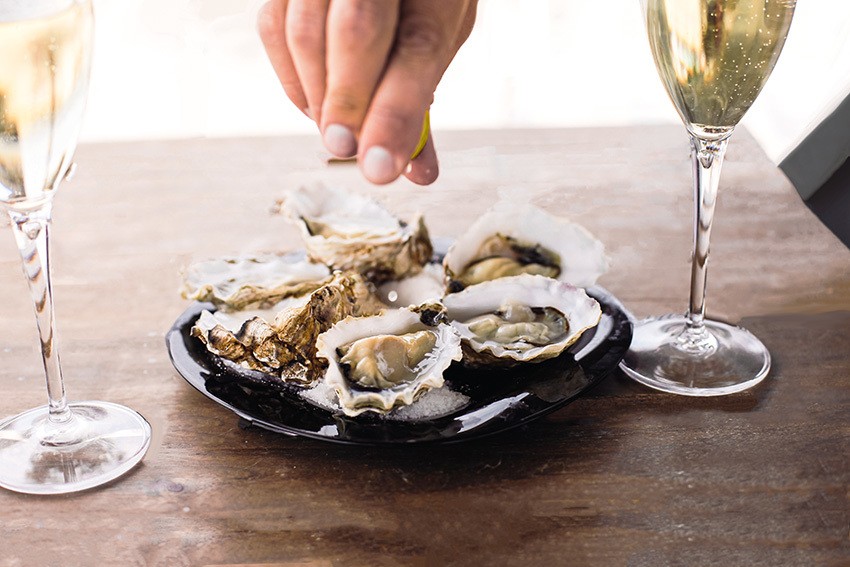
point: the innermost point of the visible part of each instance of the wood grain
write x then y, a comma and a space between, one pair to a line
624, 476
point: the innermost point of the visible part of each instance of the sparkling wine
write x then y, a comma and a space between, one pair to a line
714, 56
44, 72
45, 54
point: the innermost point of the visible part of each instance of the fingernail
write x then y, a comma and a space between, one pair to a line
307, 112
340, 141
378, 165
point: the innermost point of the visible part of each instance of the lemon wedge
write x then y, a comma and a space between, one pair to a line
423, 137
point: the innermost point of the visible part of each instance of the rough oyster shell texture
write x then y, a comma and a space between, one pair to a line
581, 311
426, 372
579, 258
252, 282
286, 347
351, 232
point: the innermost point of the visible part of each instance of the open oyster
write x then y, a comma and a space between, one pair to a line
253, 282
385, 361
524, 239
525, 318
351, 232
286, 347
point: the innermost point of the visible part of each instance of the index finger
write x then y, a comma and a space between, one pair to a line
427, 35
360, 34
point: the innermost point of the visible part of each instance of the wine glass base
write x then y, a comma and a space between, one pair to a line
733, 360
100, 442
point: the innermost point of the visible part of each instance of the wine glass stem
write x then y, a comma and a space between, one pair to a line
32, 234
707, 161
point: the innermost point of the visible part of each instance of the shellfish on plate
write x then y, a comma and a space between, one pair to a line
516, 239
384, 361
252, 282
286, 346
509, 303
525, 318
351, 232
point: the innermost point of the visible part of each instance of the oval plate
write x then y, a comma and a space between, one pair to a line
499, 400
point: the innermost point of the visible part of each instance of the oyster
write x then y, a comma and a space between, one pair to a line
525, 318
241, 283
385, 361
286, 347
351, 232
513, 240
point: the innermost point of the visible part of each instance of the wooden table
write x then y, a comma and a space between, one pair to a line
623, 476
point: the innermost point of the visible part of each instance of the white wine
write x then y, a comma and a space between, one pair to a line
45, 59
714, 56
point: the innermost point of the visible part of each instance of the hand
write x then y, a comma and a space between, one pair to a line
365, 71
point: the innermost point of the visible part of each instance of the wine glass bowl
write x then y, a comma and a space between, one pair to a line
44, 73
713, 57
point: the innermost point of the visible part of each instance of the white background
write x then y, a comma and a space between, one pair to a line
189, 68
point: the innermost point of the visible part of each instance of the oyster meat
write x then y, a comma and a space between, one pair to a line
286, 346
524, 239
351, 232
525, 318
386, 361
519, 326
252, 282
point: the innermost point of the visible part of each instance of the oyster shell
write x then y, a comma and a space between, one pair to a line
351, 232
525, 318
523, 239
386, 361
250, 282
286, 347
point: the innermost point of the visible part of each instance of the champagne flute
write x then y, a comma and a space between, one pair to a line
713, 57
44, 74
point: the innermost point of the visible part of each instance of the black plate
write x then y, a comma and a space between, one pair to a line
498, 400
